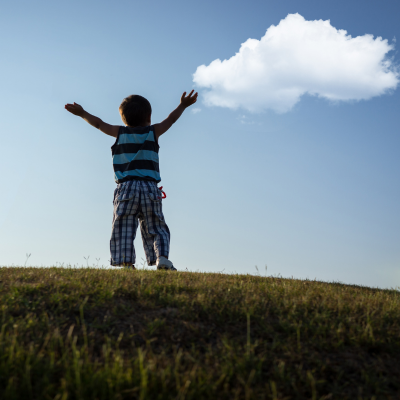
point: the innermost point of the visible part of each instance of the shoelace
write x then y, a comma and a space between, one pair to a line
163, 193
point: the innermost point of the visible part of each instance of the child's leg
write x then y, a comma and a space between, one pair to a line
125, 223
155, 232
148, 243
122, 237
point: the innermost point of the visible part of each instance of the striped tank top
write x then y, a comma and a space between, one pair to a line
135, 154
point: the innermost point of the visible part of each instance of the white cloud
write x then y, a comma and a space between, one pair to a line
298, 57
196, 110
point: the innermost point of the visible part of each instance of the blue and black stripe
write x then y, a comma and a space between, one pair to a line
135, 154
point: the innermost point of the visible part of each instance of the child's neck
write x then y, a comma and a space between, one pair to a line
148, 123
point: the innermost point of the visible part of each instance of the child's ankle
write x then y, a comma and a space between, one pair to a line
128, 265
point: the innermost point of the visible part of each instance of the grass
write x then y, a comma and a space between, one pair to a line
115, 334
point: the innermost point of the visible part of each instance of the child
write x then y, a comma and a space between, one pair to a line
137, 198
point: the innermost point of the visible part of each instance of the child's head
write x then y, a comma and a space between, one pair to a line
135, 110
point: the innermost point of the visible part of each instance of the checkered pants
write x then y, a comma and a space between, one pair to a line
138, 201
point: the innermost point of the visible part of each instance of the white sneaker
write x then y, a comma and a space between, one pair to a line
125, 266
164, 263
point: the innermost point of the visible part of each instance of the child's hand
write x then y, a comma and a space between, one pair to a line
187, 101
75, 109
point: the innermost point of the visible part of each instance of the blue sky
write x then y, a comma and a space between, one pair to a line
312, 192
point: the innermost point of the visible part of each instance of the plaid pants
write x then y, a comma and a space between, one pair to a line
138, 201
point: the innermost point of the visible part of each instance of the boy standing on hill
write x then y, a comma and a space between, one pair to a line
137, 197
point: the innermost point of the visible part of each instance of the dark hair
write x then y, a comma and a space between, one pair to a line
135, 110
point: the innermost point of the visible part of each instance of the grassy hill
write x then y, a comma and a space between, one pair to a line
115, 334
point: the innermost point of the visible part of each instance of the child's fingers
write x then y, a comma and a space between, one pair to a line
73, 108
190, 98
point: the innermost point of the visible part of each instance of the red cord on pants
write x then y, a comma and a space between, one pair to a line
163, 193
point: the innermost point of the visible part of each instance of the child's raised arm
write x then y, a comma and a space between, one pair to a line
186, 101
108, 129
